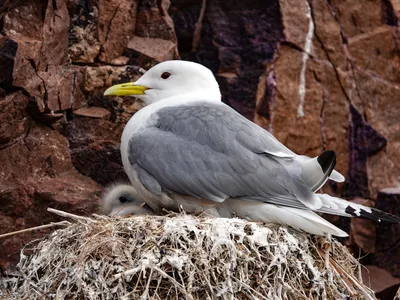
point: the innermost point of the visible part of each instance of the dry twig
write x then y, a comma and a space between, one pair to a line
62, 223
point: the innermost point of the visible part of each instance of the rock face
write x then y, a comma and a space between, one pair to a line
318, 75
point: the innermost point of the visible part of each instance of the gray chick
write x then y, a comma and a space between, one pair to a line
121, 200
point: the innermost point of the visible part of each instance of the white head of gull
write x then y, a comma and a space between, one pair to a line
171, 79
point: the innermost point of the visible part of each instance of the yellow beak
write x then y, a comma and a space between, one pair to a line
125, 89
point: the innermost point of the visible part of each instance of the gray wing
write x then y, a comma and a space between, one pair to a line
208, 150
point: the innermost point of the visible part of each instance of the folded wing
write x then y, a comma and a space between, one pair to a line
207, 150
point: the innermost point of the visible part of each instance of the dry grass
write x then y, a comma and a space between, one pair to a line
182, 257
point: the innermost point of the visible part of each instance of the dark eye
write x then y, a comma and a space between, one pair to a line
165, 75
123, 199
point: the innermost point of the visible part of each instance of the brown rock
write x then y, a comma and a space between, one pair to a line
11, 246
295, 21
154, 39
340, 86
95, 146
25, 71
348, 82
8, 50
387, 243
378, 279
389, 292
15, 202
236, 41
29, 40
55, 34
71, 191
26, 206
25, 76
229, 67
102, 30
334, 113
327, 35
382, 171
266, 93
120, 61
93, 132
86, 47
92, 112
124, 108
364, 142
153, 21
50, 118
396, 7
13, 121
11, 132
356, 17
37, 173
98, 77
188, 18
8, 5
17, 19
63, 87
117, 20
322, 87
150, 51
371, 51
303, 135
44, 152
13, 107
84, 41
39, 45
377, 94
105, 76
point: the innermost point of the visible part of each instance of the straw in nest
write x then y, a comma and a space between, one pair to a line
183, 257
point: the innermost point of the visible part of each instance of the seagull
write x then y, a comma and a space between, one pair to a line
121, 200
188, 150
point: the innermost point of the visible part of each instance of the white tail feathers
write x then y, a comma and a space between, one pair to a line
335, 206
311, 222
300, 219
336, 176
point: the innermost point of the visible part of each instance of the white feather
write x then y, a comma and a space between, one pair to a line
337, 206
336, 176
300, 219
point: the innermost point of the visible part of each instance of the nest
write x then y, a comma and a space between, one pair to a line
183, 257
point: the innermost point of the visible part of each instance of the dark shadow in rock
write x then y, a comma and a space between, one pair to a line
364, 141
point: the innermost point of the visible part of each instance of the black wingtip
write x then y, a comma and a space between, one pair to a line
327, 161
382, 216
375, 215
